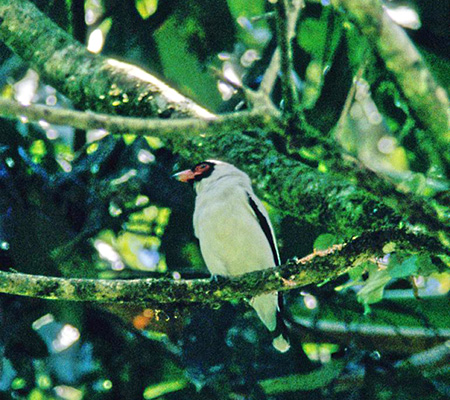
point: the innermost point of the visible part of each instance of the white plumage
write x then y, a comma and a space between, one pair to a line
235, 232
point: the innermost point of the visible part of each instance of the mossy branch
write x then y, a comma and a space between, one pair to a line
314, 268
183, 135
90, 81
177, 131
426, 97
110, 86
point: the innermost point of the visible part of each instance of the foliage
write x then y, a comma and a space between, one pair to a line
91, 204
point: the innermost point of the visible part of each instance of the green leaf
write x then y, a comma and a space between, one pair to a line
146, 8
324, 241
425, 265
320, 37
373, 290
401, 269
356, 272
314, 380
181, 66
311, 37
38, 148
160, 389
239, 8
36, 394
357, 45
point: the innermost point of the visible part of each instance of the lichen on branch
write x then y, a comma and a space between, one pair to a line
314, 268
426, 97
90, 81
344, 205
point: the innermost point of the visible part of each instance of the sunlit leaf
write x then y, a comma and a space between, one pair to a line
373, 289
128, 138
399, 268
324, 241
321, 377
154, 142
160, 389
36, 394
239, 8
18, 383
146, 8
38, 148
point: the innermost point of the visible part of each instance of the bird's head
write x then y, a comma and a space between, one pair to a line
209, 172
197, 172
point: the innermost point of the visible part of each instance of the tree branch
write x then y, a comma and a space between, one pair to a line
84, 77
314, 268
286, 21
271, 74
92, 80
428, 99
185, 133
175, 130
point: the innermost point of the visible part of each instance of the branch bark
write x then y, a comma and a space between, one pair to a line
115, 87
176, 131
314, 268
286, 21
428, 99
90, 81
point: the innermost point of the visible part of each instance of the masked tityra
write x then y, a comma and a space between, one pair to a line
235, 233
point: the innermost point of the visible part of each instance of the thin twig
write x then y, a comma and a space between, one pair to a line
271, 74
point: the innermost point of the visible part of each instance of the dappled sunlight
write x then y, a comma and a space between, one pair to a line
137, 247
404, 16
310, 301
68, 393
96, 41
338, 117
171, 94
25, 89
67, 336
366, 133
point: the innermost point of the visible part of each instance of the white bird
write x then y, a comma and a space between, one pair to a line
235, 234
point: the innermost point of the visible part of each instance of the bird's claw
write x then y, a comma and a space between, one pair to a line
218, 279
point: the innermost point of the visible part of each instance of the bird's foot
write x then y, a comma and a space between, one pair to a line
218, 279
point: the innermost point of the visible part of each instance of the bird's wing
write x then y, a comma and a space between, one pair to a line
262, 303
263, 219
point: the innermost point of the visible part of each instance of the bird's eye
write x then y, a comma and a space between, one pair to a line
202, 167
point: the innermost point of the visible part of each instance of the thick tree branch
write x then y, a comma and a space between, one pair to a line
425, 96
90, 81
305, 193
329, 201
314, 268
195, 131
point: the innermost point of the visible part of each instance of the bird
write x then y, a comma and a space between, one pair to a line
235, 234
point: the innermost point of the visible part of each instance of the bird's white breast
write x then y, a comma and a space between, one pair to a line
231, 239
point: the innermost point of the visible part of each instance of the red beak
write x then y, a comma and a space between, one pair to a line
185, 176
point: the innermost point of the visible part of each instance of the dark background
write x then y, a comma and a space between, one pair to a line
69, 206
